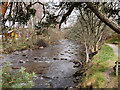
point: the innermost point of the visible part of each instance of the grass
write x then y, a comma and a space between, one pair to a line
17, 45
106, 53
101, 63
114, 40
28, 39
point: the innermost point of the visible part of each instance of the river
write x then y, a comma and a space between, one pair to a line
53, 64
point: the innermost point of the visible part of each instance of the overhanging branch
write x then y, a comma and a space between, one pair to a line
103, 18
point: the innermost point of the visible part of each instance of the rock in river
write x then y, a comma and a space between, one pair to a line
55, 58
66, 52
61, 54
75, 81
41, 47
35, 58
77, 65
21, 61
76, 61
24, 54
63, 59
27, 60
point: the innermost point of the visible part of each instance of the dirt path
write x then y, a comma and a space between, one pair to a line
109, 71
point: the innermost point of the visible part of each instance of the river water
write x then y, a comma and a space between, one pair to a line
53, 64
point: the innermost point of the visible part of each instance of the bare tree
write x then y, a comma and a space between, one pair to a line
89, 30
92, 31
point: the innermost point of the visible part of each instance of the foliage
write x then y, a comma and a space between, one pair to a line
24, 13
89, 30
114, 40
74, 33
50, 21
19, 79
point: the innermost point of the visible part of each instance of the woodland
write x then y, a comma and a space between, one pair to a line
66, 45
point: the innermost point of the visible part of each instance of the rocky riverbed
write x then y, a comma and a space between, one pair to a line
53, 65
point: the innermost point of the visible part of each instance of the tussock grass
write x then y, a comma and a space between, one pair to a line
102, 63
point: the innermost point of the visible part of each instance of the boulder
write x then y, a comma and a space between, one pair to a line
41, 43
21, 61
35, 58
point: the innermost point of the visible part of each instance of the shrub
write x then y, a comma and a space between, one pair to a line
19, 79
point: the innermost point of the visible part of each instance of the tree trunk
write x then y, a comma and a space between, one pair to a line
103, 18
87, 53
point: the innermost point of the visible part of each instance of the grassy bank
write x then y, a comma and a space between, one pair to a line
29, 39
115, 40
101, 74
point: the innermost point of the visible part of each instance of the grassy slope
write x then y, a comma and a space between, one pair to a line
102, 63
115, 40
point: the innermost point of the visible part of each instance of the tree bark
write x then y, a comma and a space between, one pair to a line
87, 53
97, 12
103, 18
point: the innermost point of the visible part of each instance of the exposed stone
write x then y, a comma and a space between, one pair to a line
76, 61
24, 54
27, 60
41, 43
75, 81
77, 65
41, 47
55, 58
76, 54
16, 67
62, 58
72, 53
16, 54
21, 61
35, 58
71, 61
78, 73
66, 51
61, 54
78, 77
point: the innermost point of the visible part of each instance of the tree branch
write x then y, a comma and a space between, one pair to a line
68, 12
43, 9
103, 18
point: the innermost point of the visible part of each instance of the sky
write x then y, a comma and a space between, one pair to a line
70, 21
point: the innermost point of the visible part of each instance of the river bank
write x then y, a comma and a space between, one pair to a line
53, 65
100, 73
